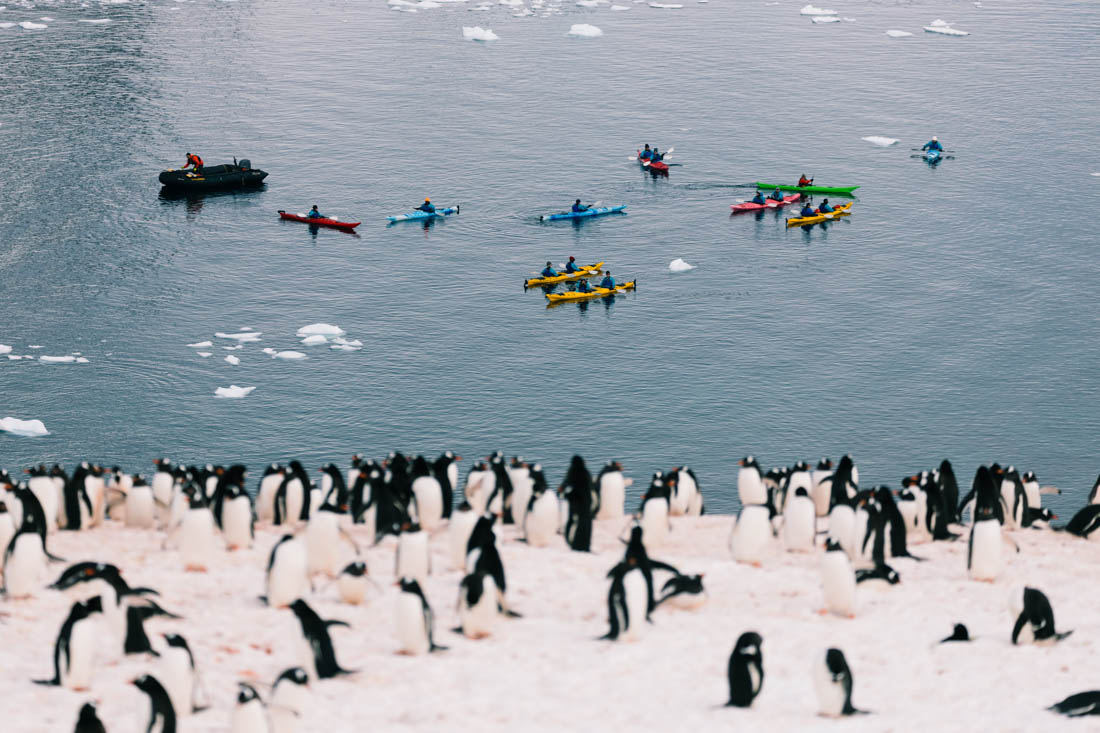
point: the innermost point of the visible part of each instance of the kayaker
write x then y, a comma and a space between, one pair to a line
549, 271
584, 287
933, 144
314, 213
758, 198
656, 157
807, 210
804, 181
608, 282
825, 208
195, 161
571, 266
776, 195
578, 207
427, 206
647, 153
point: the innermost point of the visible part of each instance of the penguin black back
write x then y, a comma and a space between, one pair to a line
89, 721
746, 670
315, 630
161, 709
61, 650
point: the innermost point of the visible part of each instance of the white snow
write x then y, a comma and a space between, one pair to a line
678, 265
288, 355
882, 142
825, 19
244, 337
898, 34
30, 26
811, 10
204, 354
324, 329
584, 30
201, 345
233, 360
26, 428
476, 33
315, 340
5, 349
232, 392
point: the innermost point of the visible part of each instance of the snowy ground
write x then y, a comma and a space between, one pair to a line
546, 671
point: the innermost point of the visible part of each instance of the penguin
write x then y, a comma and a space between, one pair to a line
821, 486
88, 721
96, 488
750, 482
627, 602
287, 575
522, 489
414, 620
353, 582
612, 488
363, 509
752, 535
477, 605
178, 675
334, 490
289, 696
458, 534
938, 511
137, 611
445, 470
909, 508
482, 556
248, 715
844, 483
322, 655
894, 521
24, 560
983, 559
103, 581
480, 483
878, 576
685, 592
949, 488
775, 484
577, 490
74, 650
869, 533
799, 519
230, 484
838, 581
503, 490
77, 506
163, 486
292, 498
7, 525
413, 558
540, 524
42, 486
637, 555
1085, 523
833, 682
746, 670
323, 551
842, 527
1035, 619
1014, 499
959, 633
799, 476
1094, 493
197, 534
162, 717
1079, 705
684, 488
140, 505
654, 514
687, 483
265, 495
428, 494
238, 527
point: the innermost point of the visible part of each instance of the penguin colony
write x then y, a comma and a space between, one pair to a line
859, 539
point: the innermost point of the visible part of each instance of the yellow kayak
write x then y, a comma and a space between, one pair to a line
585, 271
801, 221
595, 293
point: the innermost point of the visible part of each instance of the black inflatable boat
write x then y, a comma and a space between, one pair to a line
239, 174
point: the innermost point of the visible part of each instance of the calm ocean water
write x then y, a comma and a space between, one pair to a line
953, 315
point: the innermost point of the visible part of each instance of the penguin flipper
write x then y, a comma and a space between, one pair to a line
1062, 635
334, 622
436, 648
54, 558
49, 683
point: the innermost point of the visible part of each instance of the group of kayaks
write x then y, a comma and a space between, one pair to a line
325, 221
818, 215
583, 272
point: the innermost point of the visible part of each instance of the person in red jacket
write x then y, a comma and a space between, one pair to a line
194, 160
804, 181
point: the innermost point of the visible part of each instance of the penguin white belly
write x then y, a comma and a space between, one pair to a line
636, 599
7, 530
237, 523
678, 502
842, 527
15, 509
175, 673
863, 545
751, 535
612, 496
265, 500
522, 486
411, 632
288, 703
798, 524
478, 620
197, 540
249, 718
287, 581
24, 567
654, 523
830, 694
695, 508
687, 601
43, 489
177, 509
412, 556
462, 524
985, 550
750, 488
429, 502
839, 583
295, 498
1034, 498
911, 521
1008, 501
140, 507
97, 493
542, 521
353, 589
316, 499
77, 675
687, 491
820, 491
323, 543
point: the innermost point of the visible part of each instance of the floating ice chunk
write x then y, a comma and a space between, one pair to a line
882, 142
620, 7
81, 360
511, 3
665, 5
57, 359
28, 25
26, 428
46, 19
345, 347
585, 30
233, 359
34, 346
315, 340
233, 348
825, 19
588, 3
5, 349
7, 25
344, 342
243, 337
324, 329
16, 357
678, 265
849, 20
270, 351
204, 354
477, 33
201, 344
1094, 174
811, 10
290, 355
97, 21
898, 34
941, 26
232, 392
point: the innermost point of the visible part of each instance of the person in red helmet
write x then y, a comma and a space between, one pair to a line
571, 266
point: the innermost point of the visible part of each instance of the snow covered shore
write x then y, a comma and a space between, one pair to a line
546, 671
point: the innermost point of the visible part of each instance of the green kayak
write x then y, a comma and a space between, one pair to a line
842, 190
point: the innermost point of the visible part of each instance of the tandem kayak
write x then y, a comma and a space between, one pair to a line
801, 221
411, 216
600, 211
322, 222
585, 271
595, 293
842, 190
660, 167
211, 177
769, 204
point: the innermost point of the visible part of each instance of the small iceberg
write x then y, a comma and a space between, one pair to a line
882, 142
233, 348
201, 345
588, 3
57, 359
825, 19
288, 355
678, 265
324, 329
5, 349
344, 342
941, 26
243, 337
315, 340
898, 34
204, 354
233, 359
811, 10
584, 30
270, 351
512, 3
345, 347
233, 392
7, 25
26, 428
477, 33
46, 19
28, 25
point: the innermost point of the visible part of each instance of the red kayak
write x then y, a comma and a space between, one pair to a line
334, 223
658, 167
769, 204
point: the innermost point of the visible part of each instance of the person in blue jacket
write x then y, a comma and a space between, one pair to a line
776, 195
807, 210
758, 198
647, 153
608, 281
578, 207
933, 144
584, 287
825, 208
656, 157
549, 271
571, 266
427, 206
314, 213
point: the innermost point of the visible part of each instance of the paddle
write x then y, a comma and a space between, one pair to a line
919, 150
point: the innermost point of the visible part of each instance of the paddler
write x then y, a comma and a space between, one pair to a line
825, 208
758, 198
571, 266
933, 144
427, 206
647, 153
608, 282
656, 157
807, 210
776, 195
804, 181
314, 213
549, 271
195, 161
584, 287
578, 207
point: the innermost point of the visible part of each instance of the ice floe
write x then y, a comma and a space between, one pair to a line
30, 26
5, 349
233, 359
58, 359
7, 25
882, 142
324, 329
620, 7
289, 355
898, 34
201, 344
345, 347
270, 350
667, 6
1095, 174
344, 342
204, 354
26, 428
97, 21
811, 10
678, 265
233, 348
825, 19
477, 33
315, 340
232, 392
585, 30
243, 337
46, 19
942, 27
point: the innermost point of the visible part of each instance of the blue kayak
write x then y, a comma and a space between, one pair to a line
933, 156
600, 211
423, 214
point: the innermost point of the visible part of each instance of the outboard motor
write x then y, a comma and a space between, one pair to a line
245, 164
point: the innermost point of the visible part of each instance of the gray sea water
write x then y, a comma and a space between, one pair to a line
954, 314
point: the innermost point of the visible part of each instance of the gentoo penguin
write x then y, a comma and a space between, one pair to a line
334, 490
480, 483
89, 721
7, 525
503, 490
163, 486
103, 581
838, 581
248, 715
293, 497
683, 591
799, 476
238, 527
77, 505
637, 555
197, 534
842, 526
42, 486
1079, 705
353, 582
478, 607
321, 656
323, 541
428, 495
462, 524
577, 490
822, 487
894, 521
746, 670
909, 507
750, 483
654, 513
178, 675
540, 524
413, 558
229, 481
138, 610
482, 556
445, 470
799, 522
1035, 619
752, 535
775, 484
1013, 499
1094, 493
844, 483
140, 505
612, 487
289, 696
1085, 522
265, 495
522, 489
833, 682
287, 574
414, 620
363, 507
959, 633
627, 601
684, 489
24, 560
74, 650
162, 717
983, 558
687, 483
879, 576
949, 488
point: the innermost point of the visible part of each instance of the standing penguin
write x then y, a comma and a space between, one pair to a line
7, 525
353, 582
265, 496
844, 483
983, 558
289, 695
445, 470
42, 486
74, 650
334, 490
462, 524
480, 483
627, 601
842, 527
750, 482
752, 535
292, 498
482, 556
248, 715
77, 508
822, 486
1035, 619
833, 682
321, 656
540, 524
178, 675
238, 527
89, 721
949, 488
428, 495
799, 522
503, 491
138, 610
24, 560
838, 581
522, 488
163, 486
612, 488
413, 558
654, 513
140, 505
197, 534
577, 490
323, 541
478, 607
746, 670
414, 620
287, 574
684, 490
1085, 522
162, 717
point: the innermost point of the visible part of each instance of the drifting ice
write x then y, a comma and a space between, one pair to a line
586, 30
232, 392
28, 428
324, 329
882, 142
811, 10
678, 265
477, 33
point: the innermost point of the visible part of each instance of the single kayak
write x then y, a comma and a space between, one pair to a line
768, 204
801, 221
600, 211
423, 214
659, 167
933, 156
842, 190
322, 222
595, 293
585, 271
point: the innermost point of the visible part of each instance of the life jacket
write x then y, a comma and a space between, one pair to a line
804, 181
194, 160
